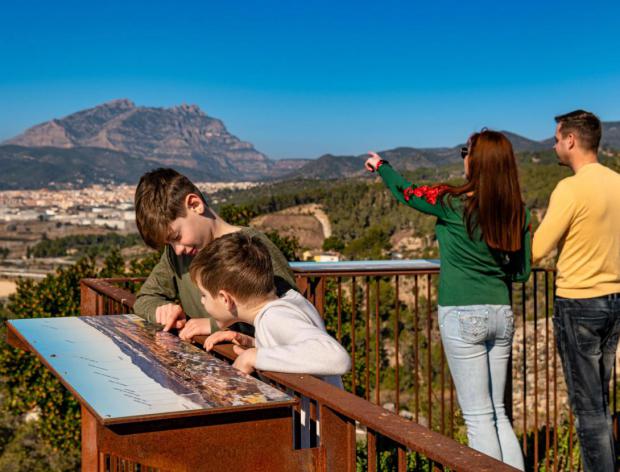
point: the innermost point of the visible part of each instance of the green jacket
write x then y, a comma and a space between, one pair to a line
169, 282
471, 272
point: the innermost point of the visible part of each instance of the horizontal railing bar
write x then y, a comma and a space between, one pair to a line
392, 264
412, 435
407, 434
361, 273
115, 280
105, 287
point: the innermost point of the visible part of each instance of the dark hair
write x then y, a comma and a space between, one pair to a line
159, 200
495, 205
585, 125
237, 263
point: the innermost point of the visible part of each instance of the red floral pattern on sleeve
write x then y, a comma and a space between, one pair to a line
429, 194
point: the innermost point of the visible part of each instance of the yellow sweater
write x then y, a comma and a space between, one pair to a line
583, 220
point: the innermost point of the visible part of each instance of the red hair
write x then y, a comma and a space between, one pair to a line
494, 203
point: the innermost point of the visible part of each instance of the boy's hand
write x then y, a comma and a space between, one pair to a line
171, 316
195, 327
246, 360
228, 336
372, 161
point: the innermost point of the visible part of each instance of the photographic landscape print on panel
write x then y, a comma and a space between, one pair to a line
124, 366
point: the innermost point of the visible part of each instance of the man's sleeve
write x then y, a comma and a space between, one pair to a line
556, 222
302, 347
159, 289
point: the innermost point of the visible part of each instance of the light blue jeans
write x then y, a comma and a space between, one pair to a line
477, 340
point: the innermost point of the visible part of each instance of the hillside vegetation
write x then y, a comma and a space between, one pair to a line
364, 215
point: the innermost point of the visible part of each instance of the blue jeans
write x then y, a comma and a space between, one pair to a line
477, 340
586, 333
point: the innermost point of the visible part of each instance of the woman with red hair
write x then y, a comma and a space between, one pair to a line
485, 244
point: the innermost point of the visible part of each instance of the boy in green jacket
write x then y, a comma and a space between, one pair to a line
171, 213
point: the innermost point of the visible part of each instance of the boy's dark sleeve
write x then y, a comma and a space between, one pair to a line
282, 272
159, 289
423, 199
525, 265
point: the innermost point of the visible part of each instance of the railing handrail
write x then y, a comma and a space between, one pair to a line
392, 266
401, 266
414, 436
345, 268
105, 287
410, 434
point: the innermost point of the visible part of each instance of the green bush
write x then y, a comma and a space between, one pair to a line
90, 245
28, 386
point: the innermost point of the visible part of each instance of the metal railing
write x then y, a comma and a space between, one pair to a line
371, 433
384, 312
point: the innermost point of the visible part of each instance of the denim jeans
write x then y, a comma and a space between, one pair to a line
586, 333
477, 340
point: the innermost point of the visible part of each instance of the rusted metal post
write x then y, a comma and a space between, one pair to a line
396, 343
302, 284
90, 450
371, 447
88, 300
338, 440
377, 342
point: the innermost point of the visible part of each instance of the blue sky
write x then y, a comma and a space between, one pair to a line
300, 79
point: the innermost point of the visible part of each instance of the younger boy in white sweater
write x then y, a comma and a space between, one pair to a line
235, 276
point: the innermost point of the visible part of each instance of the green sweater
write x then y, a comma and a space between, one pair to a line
471, 272
169, 282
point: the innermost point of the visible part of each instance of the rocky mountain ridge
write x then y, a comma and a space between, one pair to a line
118, 141
181, 136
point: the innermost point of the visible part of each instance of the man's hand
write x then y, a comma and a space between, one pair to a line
195, 327
246, 360
171, 316
372, 161
237, 339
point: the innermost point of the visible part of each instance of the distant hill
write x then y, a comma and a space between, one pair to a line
522, 144
404, 158
407, 158
611, 135
329, 166
118, 141
40, 167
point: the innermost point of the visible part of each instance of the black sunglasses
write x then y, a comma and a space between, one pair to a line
464, 152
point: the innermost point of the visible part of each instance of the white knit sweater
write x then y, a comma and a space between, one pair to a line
290, 337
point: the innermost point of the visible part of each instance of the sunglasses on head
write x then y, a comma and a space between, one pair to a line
464, 152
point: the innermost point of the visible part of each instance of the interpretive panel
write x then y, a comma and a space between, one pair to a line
123, 366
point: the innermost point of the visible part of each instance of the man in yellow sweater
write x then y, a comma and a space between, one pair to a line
583, 222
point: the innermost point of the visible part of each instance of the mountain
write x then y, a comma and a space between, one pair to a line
119, 141
404, 158
521, 144
611, 135
408, 158
284, 166
39, 167
181, 136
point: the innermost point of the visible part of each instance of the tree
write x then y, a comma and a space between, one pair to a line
238, 215
113, 264
333, 243
288, 245
53, 441
373, 244
27, 385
